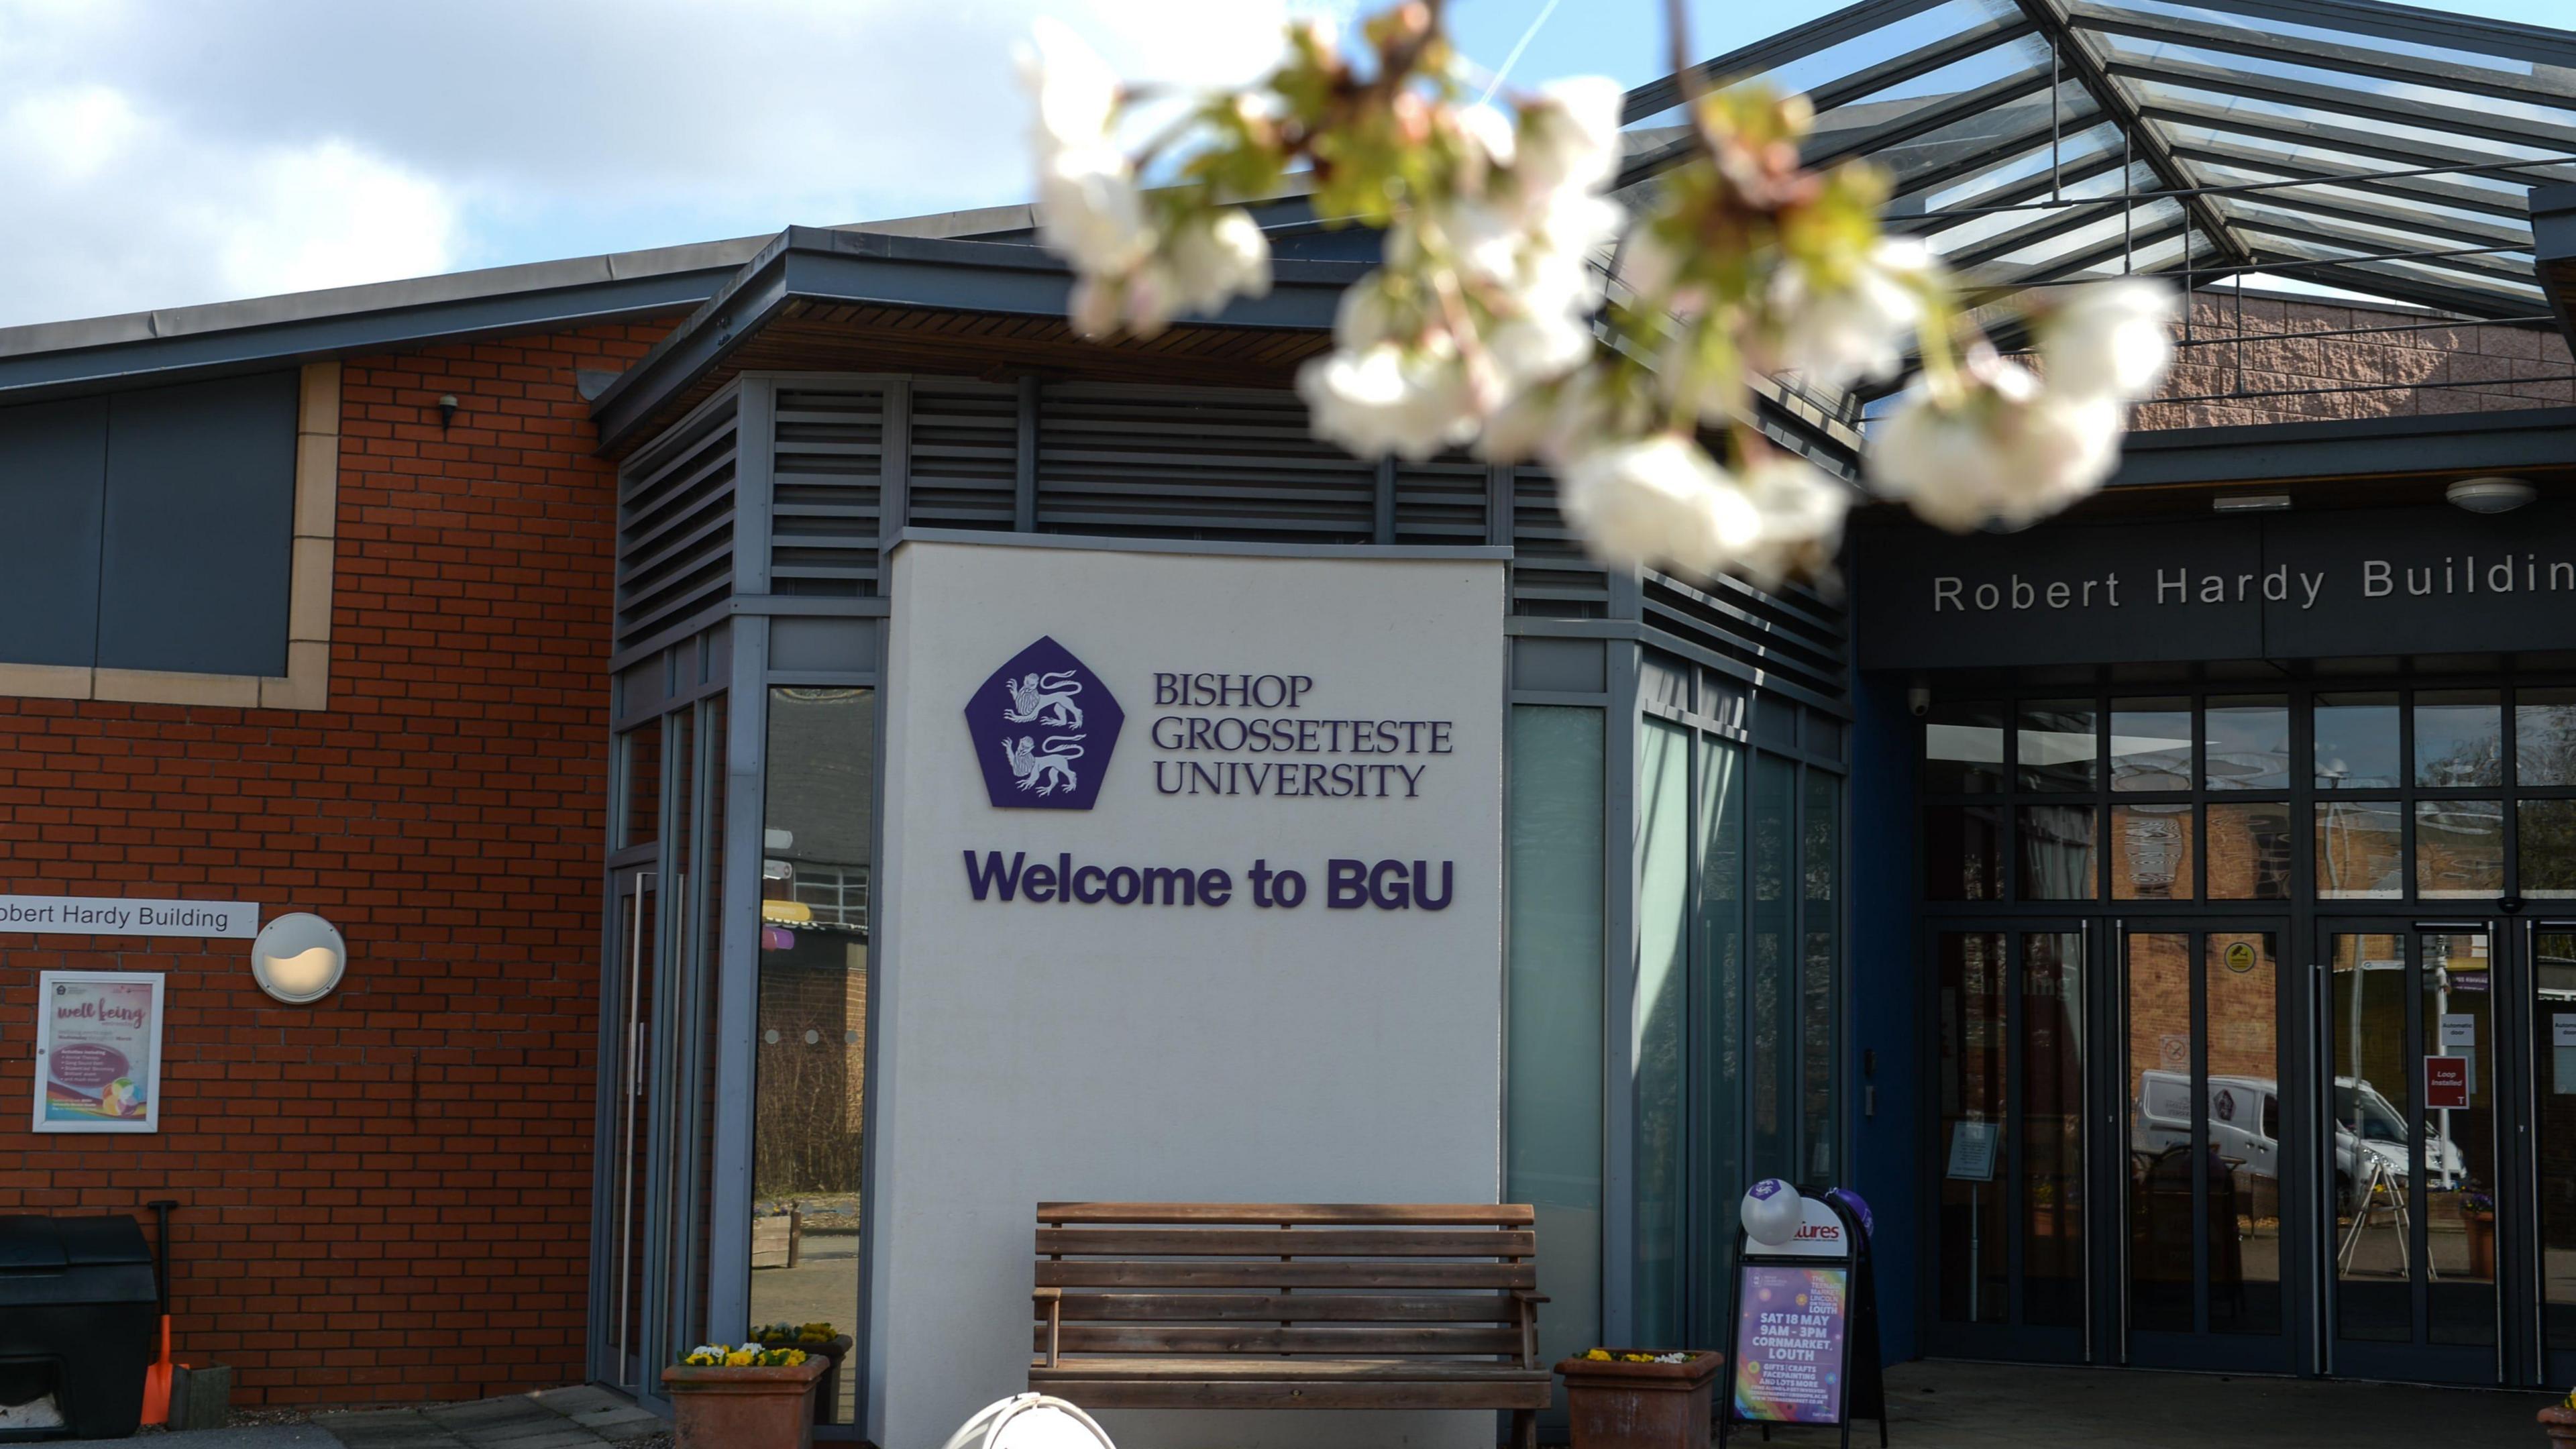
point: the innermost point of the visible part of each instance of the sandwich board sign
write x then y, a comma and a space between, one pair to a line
1803, 1341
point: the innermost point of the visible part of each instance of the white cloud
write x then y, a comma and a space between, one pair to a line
158, 155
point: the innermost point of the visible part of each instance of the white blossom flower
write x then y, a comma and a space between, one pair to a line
1657, 501
1802, 519
2110, 338
1075, 90
1569, 138
1491, 130
2007, 451
1227, 257
1383, 399
1856, 327
1091, 210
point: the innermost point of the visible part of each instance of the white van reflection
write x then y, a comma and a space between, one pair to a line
2245, 1128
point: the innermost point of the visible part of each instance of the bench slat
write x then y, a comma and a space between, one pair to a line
1301, 1242
1341, 1342
1504, 1215
1533, 1393
1290, 1307
1304, 1273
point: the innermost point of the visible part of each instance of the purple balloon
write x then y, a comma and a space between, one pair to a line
1859, 1209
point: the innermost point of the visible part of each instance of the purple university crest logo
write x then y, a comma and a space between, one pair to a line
1043, 727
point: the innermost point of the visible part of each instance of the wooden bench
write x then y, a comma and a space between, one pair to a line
1290, 1306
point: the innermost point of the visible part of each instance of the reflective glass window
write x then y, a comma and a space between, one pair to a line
2544, 736
2247, 743
1963, 848
2357, 742
2248, 847
2151, 853
2361, 850
1963, 749
2056, 853
2151, 744
2055, 748
2459, 848
2459, 739
2545, 848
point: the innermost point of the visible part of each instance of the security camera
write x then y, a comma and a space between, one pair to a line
1919, 700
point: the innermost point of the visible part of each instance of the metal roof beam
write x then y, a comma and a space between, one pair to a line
2403, 188
2375, 279
2005, 243
1824, 149
2077, 55
2069, 266
1986, 156
2417, 223
1896, 70
2290, 130
2335, 100
2375, 248
2028, 189
2312, 53
2410, 25
1822, 33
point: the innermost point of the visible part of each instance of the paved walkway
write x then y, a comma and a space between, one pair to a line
2010, 1406
1931, 1406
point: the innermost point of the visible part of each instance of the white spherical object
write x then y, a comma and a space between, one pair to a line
1772, 1211
1030, 1421
298, 958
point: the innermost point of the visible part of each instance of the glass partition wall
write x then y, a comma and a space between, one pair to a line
2243, 1012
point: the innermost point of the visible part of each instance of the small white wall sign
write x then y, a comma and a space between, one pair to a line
127, 916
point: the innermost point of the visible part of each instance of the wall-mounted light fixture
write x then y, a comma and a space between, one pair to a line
298, 958
447, 406
2490, 494
2250, 502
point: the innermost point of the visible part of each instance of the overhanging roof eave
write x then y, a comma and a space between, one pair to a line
810, 264
2520, 441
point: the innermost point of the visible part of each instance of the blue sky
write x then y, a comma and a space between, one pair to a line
163, 152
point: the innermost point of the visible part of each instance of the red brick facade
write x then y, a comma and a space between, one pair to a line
387, 1194
2257, 361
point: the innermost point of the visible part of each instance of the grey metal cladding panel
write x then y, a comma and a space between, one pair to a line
199, 522
827, 485
1551, 578
1440, 500
53, 492
675, 518
965, 454
1201, 463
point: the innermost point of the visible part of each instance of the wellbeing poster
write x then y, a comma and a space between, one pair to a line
1789, 1344
98, 1052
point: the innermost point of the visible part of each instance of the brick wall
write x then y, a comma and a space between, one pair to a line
2239, 353
387, 1194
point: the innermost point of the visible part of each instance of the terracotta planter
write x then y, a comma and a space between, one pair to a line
2481, 1227
2559, 1424
745, 1408
1640, 1405
827, 1394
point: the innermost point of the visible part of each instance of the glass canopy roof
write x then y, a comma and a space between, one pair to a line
2343, 147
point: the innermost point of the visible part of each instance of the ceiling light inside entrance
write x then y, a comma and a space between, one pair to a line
2491, 494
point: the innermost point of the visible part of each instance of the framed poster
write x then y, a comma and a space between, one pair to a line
1789, 1344
98, 1051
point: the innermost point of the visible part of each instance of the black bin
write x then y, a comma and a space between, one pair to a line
78, 1311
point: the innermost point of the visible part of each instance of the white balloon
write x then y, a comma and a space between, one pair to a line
1772, 1211
1030, 1421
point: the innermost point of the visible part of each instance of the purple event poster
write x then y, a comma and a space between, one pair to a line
1789, 1345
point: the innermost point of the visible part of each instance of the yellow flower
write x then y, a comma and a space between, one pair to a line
739, 1358
1599, 1355
792, 1357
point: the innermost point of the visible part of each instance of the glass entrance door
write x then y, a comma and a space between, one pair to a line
2553, 1135
2016, 1016
2210, 1136
2413, 1084
631, 973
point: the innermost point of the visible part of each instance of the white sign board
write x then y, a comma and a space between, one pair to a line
1820, 1235
1192, 892
2459, 1029
127, 916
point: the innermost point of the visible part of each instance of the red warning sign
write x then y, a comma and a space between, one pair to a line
2446, 1082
